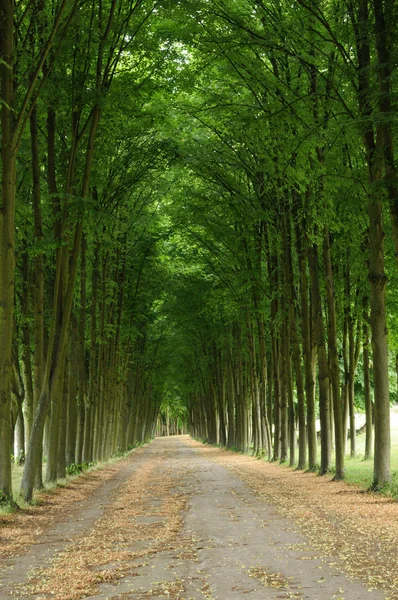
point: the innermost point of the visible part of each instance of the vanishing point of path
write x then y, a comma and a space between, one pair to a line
180, 520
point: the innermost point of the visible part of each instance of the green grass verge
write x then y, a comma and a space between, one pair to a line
359, 472
74, 471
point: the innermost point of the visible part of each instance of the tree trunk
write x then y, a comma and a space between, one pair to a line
290, 400
19, 437
378, 281
264, 400
81, 363
38, 352
283, 395
296, 351
366, 381
72, 398
231, 407
63, 425
58, 335
276, 386
307, 349
26, 346
323, 368
334, 359
374, 145
385, 27
7, 240
351, 380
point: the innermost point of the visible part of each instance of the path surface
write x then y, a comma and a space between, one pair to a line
186, 521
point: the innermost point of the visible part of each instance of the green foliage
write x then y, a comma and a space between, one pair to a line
4, 499
391, 489
20, 459
74, 469
235, 449
388, 489
218, 121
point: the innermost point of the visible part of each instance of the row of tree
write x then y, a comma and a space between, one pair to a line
78, 234
192, 223
288, 145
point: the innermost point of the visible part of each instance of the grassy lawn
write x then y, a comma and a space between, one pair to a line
360, 471
17, 472
16, 476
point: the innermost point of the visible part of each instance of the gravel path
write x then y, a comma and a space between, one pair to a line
175, 522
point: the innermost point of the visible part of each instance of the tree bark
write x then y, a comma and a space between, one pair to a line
323, 368
38, 352
378, 282
377, 277
366, 381
7, 240
283, 395
385, 27
58, 335
307, 349
334, 359
74, 382
296, 350
26, 346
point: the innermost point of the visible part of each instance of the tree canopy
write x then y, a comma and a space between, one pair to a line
199, 229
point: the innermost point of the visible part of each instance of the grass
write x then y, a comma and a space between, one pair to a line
359, 471
16, 478
17, 472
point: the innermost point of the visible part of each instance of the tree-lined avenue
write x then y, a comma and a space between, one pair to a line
181, 520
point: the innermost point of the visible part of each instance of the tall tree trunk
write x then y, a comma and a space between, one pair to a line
231, 407
345, 380
374, 151
7, 239
38, 352
18, 394
307, 348
256, 414
378, 281
351, 373
296, 350
283, 395
54, 428
73, 384
385, 27
323, 368
290, 400
58, 335
334, 359
264, 400
277, 393
26, 346
366, 381
81, 366
63, 425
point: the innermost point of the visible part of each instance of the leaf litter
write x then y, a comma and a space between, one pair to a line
357, 532
21, 529
120, 542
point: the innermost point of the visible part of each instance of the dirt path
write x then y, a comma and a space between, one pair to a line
186, 521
